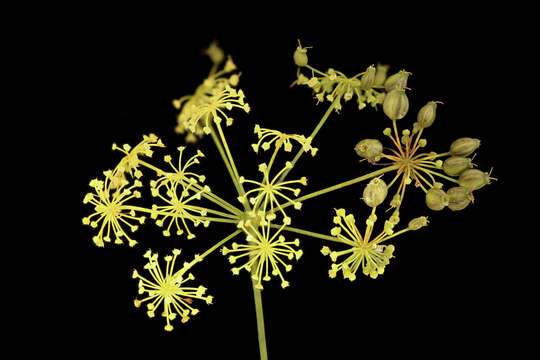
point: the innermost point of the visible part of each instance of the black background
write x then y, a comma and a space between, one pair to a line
82, 80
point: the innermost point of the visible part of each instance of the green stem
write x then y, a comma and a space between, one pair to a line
226, 161
220, 243
312, 136
344, 184
209, 251
260, 321
309, 233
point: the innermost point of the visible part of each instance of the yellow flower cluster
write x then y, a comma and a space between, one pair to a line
169, 289
364, 251
267, 137
130, 162
265, 253
268, 193
214, 92
111, 213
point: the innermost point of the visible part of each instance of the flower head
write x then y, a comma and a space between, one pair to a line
219, 99
111, 213
130, 162
267, 195
189, 104
181, 173
178, 208
267, 137
168, 288
365, 250
265, 253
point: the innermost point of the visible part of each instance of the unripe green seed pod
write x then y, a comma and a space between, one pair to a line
369, 148
474, 179
380, 74
375, 192
396, 104
455, 165
426, 115
397, 81
368, 79
436, 199
459, 197
418, 223
464, 146
300, 56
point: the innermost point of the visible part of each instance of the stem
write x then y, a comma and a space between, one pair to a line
344, 184
217, 245
225, 160
260, 321
313, 134
309, 233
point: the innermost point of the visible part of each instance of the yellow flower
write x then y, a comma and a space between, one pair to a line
219, 99
269, 136
111, 214
180, 173
178, 208
364, 251
130, 162
265, 253
168, 288
216, 80
269, 192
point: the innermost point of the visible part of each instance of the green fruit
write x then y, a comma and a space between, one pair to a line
474, 179
436, 199
455, 165
375, 192
464, 146
396, 104
460, 197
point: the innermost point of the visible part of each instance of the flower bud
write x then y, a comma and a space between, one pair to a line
426, 115
300, 55
375, 192
369, 149
396, 104
397, 81
436, 199
455, 165
459, 198
474, 179
215, 53
380, 75
368, 79
418, 223
464, 146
